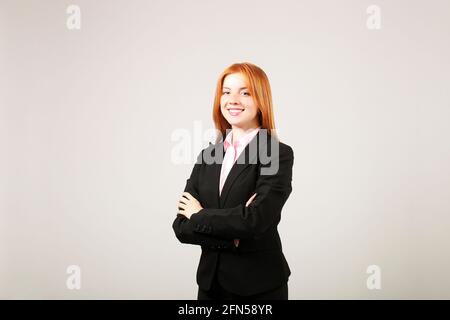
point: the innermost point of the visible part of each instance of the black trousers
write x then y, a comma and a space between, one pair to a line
217, 292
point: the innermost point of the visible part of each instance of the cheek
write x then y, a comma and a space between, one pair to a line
253, 110
223, 111
223, 102
250, 104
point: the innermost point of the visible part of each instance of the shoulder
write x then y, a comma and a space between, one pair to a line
286, 150
268, 141
208, 155
278, 162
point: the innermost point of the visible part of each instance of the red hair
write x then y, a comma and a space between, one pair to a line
259, 87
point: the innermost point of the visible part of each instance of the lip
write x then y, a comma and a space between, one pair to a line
235, 112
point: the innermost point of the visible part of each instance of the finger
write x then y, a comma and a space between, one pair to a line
182, 205
250, 200
188, 195
183, 200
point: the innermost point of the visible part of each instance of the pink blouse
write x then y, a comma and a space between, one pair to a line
232, 152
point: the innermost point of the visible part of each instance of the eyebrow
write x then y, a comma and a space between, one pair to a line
239, 88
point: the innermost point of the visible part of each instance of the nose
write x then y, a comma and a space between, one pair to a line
233, 98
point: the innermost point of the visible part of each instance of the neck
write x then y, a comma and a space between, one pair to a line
238, 132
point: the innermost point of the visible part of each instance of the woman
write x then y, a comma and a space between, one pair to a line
231, 206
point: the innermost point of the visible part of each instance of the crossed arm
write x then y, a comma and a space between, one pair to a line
198, 225
189, 205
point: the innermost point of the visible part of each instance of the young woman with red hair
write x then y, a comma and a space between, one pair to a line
231, 206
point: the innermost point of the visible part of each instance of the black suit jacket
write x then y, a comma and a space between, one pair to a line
258, 263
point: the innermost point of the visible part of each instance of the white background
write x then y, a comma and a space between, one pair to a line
86, 119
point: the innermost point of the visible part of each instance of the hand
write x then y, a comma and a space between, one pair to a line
236, 241
188, 205
250, 200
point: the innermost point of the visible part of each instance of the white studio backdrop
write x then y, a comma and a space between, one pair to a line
92, 92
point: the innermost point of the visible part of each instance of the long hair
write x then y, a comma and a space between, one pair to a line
259, 87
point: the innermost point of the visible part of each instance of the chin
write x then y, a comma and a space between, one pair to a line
234, 122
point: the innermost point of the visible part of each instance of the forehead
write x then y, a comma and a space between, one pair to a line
234, 80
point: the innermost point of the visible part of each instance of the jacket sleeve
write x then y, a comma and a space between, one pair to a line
264, 212
185, 230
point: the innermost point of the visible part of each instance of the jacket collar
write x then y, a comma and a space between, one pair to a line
248, 157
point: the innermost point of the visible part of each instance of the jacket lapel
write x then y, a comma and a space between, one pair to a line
245, 159
216, 167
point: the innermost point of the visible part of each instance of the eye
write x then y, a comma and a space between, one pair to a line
225, 92
246, 93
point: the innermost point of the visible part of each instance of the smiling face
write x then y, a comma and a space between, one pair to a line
236, 103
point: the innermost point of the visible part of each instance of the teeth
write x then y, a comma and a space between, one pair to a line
235, 112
